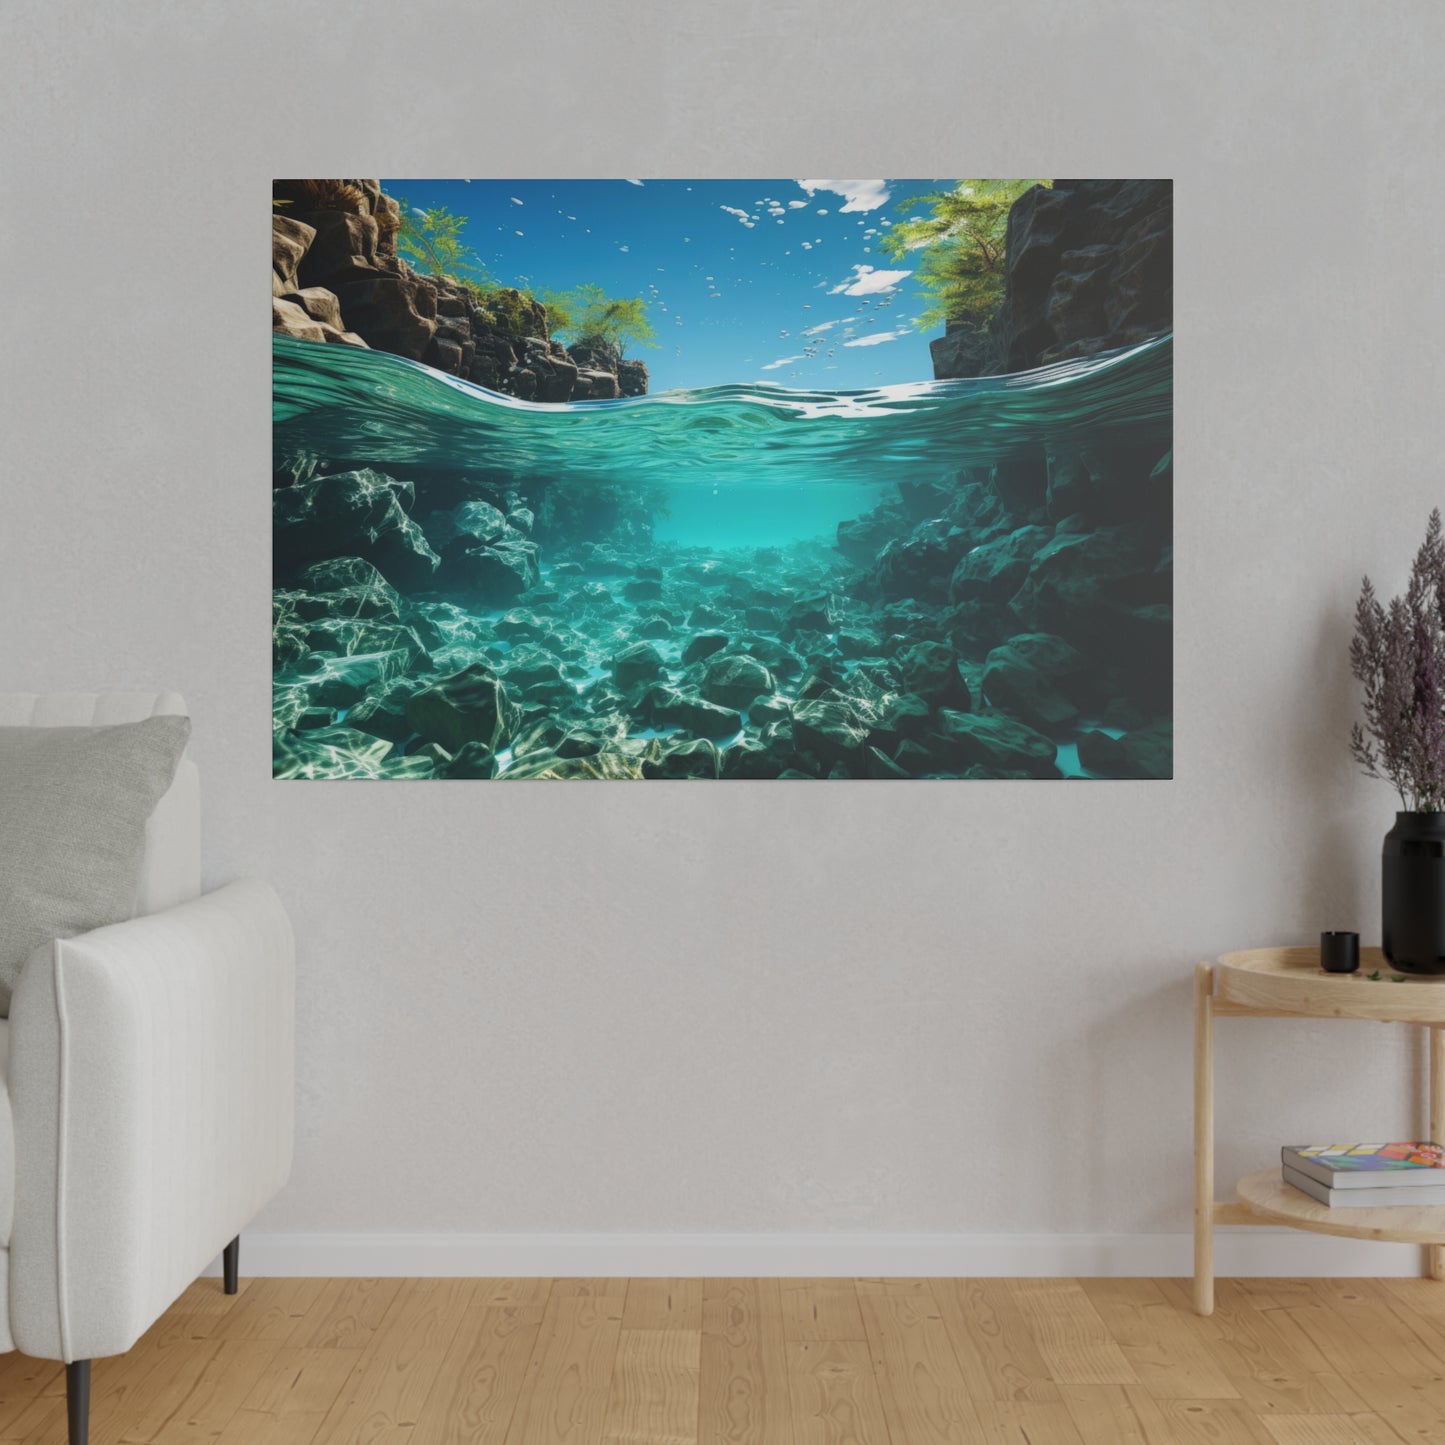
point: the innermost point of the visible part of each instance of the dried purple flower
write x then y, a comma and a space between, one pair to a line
1398, 653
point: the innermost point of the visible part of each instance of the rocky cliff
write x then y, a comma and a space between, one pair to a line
336, 277
1089, 266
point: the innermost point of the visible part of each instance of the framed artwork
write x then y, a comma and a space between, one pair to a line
829, 480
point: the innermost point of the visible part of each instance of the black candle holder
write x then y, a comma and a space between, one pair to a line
1340, 952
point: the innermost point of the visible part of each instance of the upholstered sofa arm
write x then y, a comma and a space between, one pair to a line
151, 1085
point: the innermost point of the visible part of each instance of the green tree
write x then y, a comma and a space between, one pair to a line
432, 241
587, 313
961, 271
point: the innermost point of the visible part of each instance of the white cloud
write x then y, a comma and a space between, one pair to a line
868, 281
515, 201
631, 182
741, 214
796, 205
820, 328
783, 361
875, 339
858, 195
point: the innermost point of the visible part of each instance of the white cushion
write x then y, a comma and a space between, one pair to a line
171, 872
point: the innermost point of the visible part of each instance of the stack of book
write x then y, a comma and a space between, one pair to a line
1367, 1176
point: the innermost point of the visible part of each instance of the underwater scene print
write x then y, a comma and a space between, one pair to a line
710, 480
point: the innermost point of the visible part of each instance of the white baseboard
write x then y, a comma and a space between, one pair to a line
1239, 1252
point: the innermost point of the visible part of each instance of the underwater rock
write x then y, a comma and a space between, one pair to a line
523, 520
929, 670
703, 644
1102, 754
289, 240
733, 680
350, 514
1021, 480
471, 706
994, 570
878, 765
1080, 585
475, 518
633, 666
696, 759
341, 752
352, 587
919, 565
1150, 750
902, 716
642, 589
670, 708
492, 575
474, 761
861, 539
1029, 676
1000, 744
831, 731
813, 613
383, 712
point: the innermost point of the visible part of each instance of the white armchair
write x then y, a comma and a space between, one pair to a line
147, 1071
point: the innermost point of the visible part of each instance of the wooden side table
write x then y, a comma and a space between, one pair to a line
1289, 983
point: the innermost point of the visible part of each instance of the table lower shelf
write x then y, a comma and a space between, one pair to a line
1268, 1197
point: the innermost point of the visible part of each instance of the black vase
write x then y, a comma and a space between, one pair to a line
1414, 893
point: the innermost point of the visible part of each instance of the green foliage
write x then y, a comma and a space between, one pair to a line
512, 311
587, 313
961, 269
432, 241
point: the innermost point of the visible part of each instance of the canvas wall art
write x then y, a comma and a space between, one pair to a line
805, 480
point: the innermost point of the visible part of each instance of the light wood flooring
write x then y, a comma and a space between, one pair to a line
765, 1362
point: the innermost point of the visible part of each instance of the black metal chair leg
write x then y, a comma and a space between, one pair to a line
77, 1401
231, 1264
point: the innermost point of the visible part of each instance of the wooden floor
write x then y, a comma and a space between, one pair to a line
765, 1362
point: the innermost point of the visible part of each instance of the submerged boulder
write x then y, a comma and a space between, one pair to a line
703, 645
832, 732
471, 706
633, 666
993, 571
930, 671
735, 679
997, 743
493, 574
350, 514
1030, 676
670, 708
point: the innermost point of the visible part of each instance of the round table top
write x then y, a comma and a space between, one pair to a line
1290, 980
1267, 1195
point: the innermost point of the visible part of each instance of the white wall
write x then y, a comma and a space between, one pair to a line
942, 1010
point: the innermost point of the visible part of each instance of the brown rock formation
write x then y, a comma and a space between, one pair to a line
336, 276
1089, 267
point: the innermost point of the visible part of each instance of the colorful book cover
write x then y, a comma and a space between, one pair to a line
1367, 1158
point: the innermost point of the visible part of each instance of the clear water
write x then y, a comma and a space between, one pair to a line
346, 404
753, 479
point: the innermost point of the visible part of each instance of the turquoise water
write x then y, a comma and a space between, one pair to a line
648, 521
345, 403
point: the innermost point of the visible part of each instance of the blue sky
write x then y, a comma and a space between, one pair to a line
780, 281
